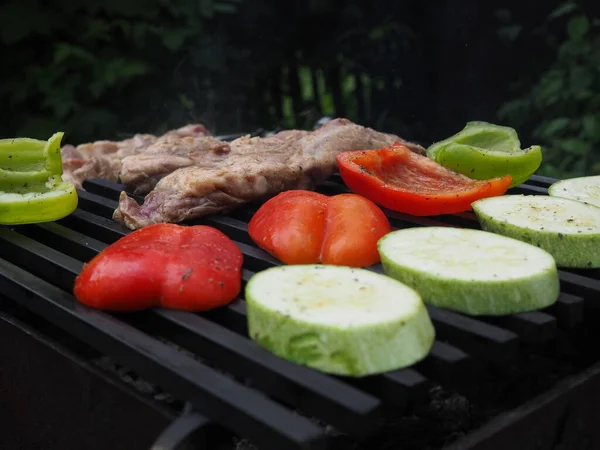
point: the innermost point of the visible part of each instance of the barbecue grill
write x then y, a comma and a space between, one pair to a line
73, 377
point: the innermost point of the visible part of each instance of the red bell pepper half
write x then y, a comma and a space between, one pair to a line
304, 227
401, 180
193, 268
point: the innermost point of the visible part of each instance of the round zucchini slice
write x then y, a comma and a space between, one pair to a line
471, 271
567, 229
582, 189
337, 319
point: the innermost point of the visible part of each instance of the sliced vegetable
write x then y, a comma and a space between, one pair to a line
567, 229
482, 164
483, 150
194, 268
302, 227
401, 180
481, 135
582, 189
471, 271
31, 185
337, 319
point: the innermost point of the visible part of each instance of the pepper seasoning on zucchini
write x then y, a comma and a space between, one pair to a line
31, 186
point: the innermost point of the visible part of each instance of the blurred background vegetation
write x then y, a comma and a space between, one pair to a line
422, 69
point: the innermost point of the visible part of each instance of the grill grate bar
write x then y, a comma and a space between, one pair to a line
568, 310
399, 387
313, 392
534, 328
106, 189
579, 285
453, 366
389, 387
258, 260
38, 264
542, 181
527, 189
69, 242
39, 259
584, 286
489, 342
100, 228
241, 409
526, 326
255, 259
449, 361
190, 423
54, 253
96, 204
448, 366
22, 247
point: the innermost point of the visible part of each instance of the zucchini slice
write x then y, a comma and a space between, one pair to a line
471, 271
567, 229
582, 189
337, 319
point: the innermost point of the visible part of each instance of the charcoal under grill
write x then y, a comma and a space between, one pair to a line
230, 384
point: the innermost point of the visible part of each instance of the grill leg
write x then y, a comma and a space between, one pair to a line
176, 435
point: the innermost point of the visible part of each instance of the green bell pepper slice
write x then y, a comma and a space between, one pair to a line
483, 151
481, 164
31, 186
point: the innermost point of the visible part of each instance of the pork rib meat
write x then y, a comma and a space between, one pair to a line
102, 159
255, 168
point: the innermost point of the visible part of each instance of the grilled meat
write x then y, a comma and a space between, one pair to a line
102, 159
254, 168
142, 171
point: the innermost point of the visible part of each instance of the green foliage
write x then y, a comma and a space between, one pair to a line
561, 104
90, 68
106, 70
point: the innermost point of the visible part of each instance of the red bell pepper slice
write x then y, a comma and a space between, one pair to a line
193, 268
401, 180
304, 227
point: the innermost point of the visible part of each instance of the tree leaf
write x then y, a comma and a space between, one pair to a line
64, 51
549, 89
574, 146
98, 30
39, 127
581, 78
555, 126
174, 38
224, 8
510, 33
578, 27
591, 127
563, 9
503, 15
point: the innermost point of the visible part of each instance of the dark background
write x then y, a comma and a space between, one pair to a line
420, 68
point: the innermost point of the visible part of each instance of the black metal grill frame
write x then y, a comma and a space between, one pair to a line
38, 264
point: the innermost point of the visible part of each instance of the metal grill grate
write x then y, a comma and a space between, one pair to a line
38, 264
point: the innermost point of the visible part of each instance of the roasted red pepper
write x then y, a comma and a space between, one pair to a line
192, 268
303, 227
401, 180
